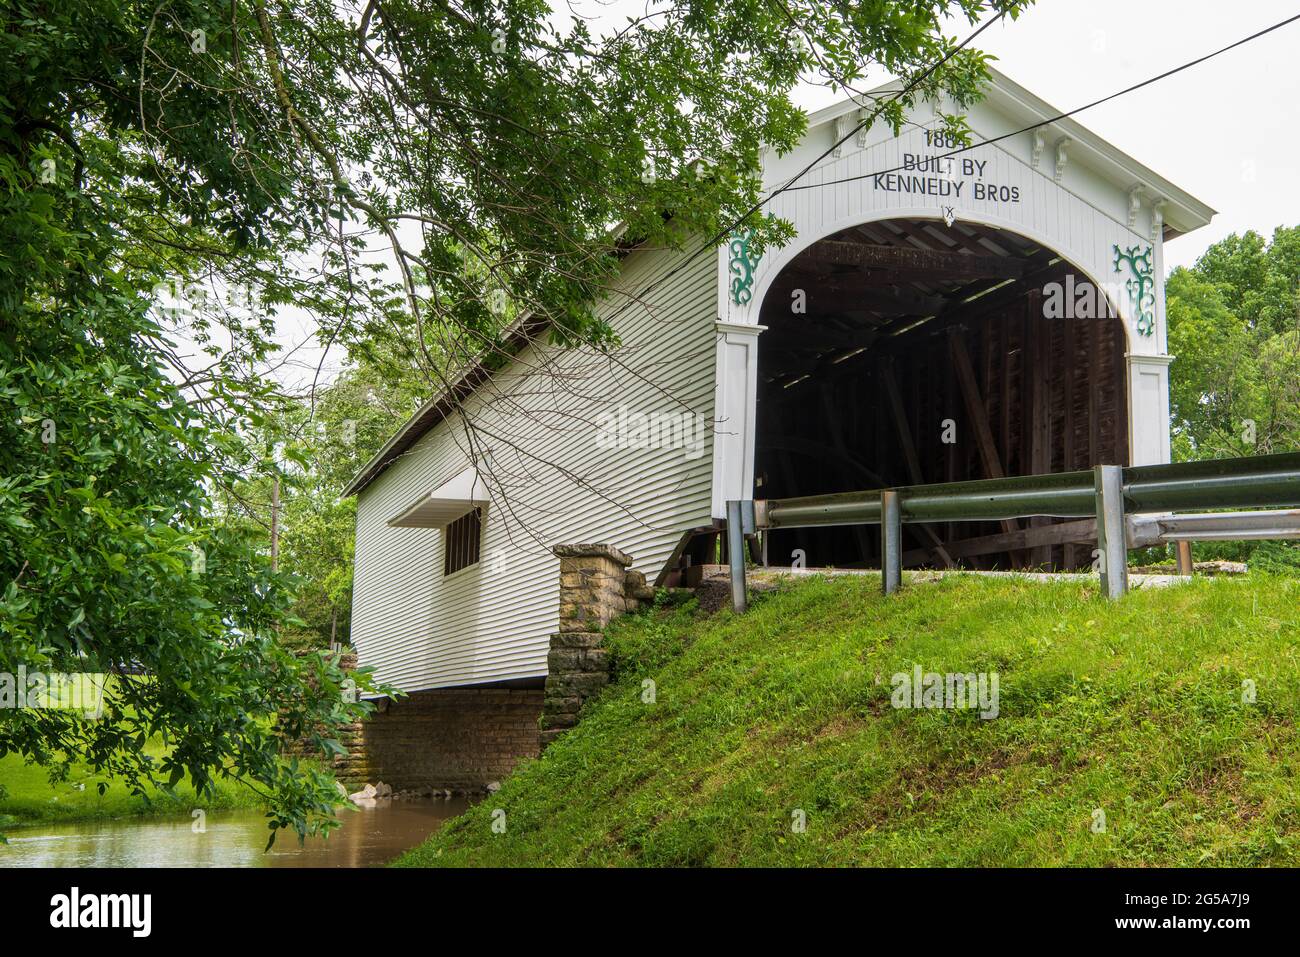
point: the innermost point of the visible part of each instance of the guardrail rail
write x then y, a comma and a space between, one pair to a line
1133, 506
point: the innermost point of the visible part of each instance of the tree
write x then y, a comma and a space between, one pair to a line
409, 172
111, 562
1213, 382
1235, 383
324, 444
1259, 280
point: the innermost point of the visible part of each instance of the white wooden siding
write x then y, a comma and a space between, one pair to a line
1078, 208
492, 621
1083, 217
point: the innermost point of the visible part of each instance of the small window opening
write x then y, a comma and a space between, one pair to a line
461, 542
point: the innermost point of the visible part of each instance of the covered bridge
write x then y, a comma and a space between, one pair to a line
998, 311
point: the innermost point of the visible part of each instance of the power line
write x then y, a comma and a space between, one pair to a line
790, 187
722, 234
865, 122
1059, 116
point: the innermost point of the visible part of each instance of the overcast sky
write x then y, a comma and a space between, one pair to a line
1225, 131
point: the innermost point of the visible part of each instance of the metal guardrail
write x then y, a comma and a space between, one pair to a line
1111, 493
1213, 527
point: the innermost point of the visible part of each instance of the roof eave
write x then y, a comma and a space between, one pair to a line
519, 334
1183, 211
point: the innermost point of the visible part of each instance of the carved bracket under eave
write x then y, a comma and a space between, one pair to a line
1062, 157
843, 127
1157, 219
1134, 204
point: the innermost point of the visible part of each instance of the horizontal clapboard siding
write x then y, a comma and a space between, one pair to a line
549, 484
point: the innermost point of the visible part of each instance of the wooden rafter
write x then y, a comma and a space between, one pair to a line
1077, 530
855, 289
950, 265
842, 453
975, 412
798, 445
899, 413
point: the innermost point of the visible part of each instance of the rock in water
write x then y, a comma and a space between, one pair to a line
365, 797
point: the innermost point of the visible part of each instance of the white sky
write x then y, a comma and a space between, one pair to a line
1224, 130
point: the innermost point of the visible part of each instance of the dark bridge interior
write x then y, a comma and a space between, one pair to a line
923, 355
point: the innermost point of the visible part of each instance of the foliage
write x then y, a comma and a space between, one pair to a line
1234, 328
322, 450
1259, 280
31, 799
174, 176
111, 565
110, 559
1136, 708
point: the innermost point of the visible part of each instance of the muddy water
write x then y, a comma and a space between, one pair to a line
369, 837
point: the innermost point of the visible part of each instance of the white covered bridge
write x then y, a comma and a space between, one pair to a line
999, 311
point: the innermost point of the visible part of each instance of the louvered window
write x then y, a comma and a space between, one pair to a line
461, 540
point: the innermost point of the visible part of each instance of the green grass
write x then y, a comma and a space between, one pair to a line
1134, 708
29, 798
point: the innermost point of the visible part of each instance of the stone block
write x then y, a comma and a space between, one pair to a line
594, 659
634, 586
558, 704
558, 720
564, 659
593, 551
577, 639
577, 683
595, 588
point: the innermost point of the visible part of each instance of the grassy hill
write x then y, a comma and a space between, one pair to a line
1134, 710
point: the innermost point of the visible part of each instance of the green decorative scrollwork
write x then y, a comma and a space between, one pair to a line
743, 263
1141, 285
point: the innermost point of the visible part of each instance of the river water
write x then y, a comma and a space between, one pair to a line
368, 837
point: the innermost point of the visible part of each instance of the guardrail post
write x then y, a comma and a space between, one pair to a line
736, 554
1112, 546
891, 534
1185, 566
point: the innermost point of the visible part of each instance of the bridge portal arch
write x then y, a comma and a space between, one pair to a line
905, 349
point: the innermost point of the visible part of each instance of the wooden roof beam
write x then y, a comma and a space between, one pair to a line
812, 336
861, 290
948, 265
